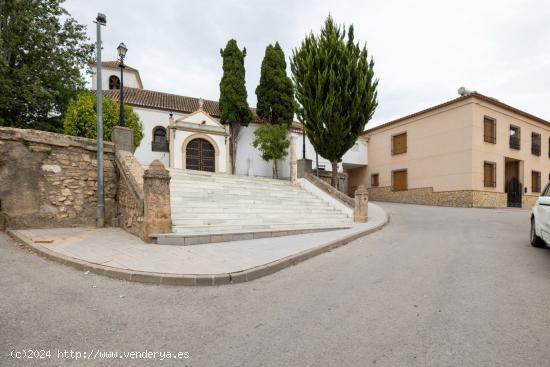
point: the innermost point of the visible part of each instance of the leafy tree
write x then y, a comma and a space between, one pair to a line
42, 53
273, 142
81, 118
275, 92
335, 90
234, 108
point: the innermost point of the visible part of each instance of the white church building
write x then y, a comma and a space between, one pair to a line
186, 132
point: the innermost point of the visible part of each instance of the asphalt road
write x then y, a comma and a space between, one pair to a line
436, 287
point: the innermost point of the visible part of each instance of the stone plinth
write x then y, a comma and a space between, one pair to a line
157, 216
123, 138
304, 166
361, 211
293, 163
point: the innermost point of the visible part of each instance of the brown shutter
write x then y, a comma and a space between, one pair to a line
400, 180
489, 133
374, 180
489, 174
535, 181
399, 143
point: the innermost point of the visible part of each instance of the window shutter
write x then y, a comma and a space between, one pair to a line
400, 180
399, 143
489, 130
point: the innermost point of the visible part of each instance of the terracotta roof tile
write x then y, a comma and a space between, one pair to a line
163, 101
172, 102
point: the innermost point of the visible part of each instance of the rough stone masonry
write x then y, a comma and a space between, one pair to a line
50, 180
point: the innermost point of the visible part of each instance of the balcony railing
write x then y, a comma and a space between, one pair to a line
515, 142
159, 146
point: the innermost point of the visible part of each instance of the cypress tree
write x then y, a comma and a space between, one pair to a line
234, 108
275, 91
335, 90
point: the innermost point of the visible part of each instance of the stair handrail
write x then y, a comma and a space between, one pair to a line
332, 191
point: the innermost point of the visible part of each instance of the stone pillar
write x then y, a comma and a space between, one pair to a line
123, 138
157, 214
293, 163
304, 166
361, 211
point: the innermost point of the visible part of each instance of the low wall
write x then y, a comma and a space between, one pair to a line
50, 180
130, 193
426, 196
326, 187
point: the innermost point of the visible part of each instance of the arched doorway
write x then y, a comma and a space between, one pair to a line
200, 155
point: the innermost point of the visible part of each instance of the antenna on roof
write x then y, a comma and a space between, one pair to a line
463, 91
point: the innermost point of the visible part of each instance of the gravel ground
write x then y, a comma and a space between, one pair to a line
436, 287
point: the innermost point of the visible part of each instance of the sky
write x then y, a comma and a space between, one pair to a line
424, 50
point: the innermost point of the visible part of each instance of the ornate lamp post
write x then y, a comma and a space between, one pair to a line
122, 49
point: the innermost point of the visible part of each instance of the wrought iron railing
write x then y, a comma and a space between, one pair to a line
159, 146
515, 142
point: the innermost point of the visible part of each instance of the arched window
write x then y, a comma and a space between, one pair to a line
114, 82
160, 143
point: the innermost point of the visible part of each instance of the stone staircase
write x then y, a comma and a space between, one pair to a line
214, 207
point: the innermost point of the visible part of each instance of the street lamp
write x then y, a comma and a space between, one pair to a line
101, 20
122, 49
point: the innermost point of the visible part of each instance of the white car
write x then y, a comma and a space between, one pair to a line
540, 220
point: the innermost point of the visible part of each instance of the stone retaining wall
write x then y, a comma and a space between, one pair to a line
462, 198
50, 180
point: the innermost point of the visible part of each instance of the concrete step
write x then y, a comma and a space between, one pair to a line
250, 210
258, 220
205, 204
194, 237
234, 228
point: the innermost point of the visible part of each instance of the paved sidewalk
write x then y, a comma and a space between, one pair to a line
116, 253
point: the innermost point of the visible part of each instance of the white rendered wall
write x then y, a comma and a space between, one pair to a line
130, 78
151, 119
250, 162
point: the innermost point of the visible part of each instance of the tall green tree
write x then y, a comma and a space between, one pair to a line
234, 108
275, 92
42, 53
335, 90
81, 118
272, 141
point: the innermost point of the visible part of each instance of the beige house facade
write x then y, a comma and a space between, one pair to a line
473, 151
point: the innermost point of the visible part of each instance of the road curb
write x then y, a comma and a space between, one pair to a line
191, 279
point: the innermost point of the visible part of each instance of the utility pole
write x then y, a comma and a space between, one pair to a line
101, 20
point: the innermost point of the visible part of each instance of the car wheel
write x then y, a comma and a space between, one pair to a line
536, 241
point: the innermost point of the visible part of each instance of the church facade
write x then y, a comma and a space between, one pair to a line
186, 132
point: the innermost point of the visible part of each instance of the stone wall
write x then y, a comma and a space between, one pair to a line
426, 196
326, 187
50, 180
130, 193
528, 201
488, 199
